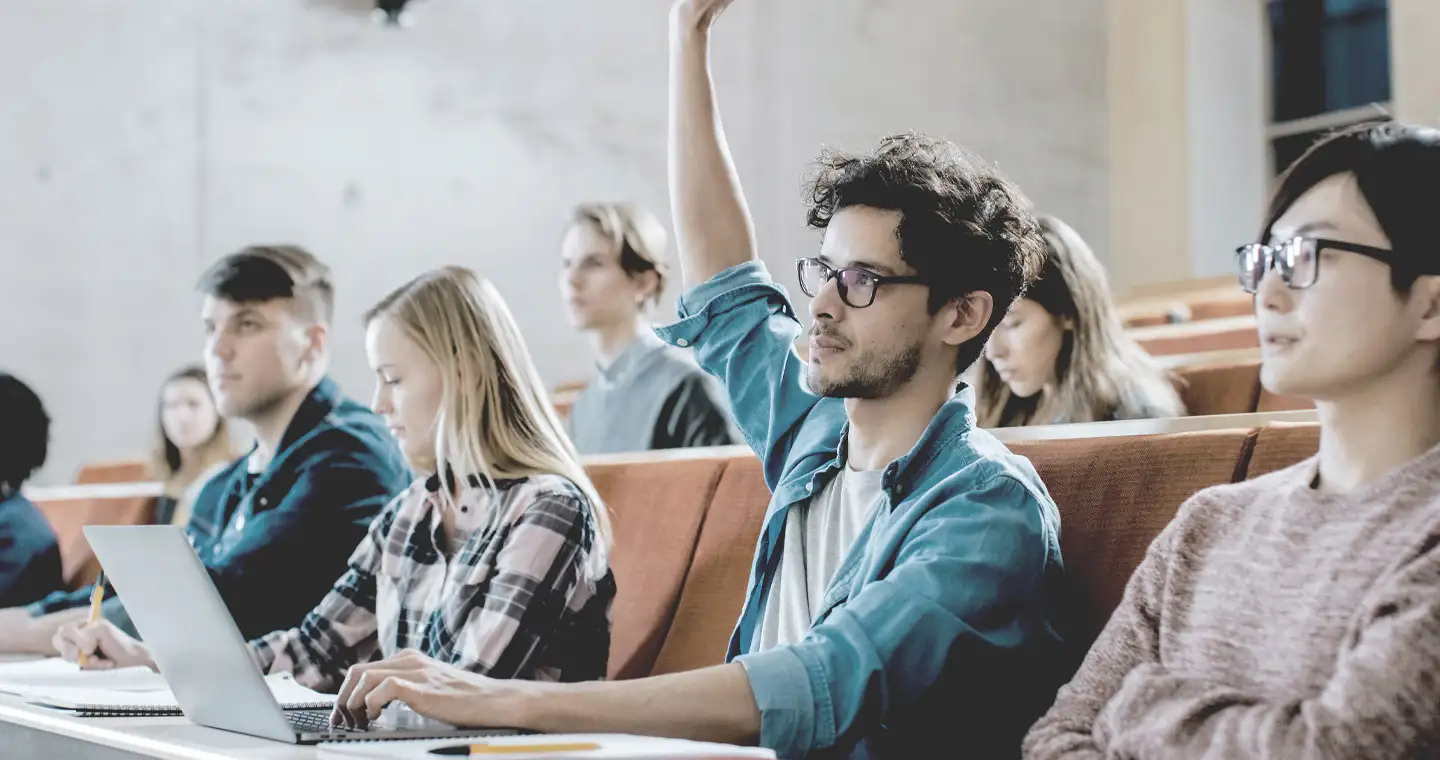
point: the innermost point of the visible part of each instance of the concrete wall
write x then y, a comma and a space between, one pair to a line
139, 141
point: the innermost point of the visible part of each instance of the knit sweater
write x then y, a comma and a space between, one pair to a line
1271, 620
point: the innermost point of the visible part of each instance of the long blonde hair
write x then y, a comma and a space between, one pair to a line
1103, 373
495, 418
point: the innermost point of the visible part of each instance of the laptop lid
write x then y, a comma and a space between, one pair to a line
178, 611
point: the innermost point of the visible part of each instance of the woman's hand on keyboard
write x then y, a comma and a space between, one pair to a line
429, 687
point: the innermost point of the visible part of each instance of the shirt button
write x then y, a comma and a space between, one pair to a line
264, 501
682, 342
809, 487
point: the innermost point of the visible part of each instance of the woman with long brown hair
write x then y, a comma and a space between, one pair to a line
192, 442
1061, 354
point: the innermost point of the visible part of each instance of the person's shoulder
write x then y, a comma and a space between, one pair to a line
546, 486
350, 434
24, 519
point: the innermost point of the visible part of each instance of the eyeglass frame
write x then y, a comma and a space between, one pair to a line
843, 290
1384, 255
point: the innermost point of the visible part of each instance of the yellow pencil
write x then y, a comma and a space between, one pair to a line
96, 597
515, 749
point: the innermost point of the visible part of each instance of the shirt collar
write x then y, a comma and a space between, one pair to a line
625, 364
321, 401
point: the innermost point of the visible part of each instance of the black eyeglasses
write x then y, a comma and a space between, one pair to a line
1297, 259
856, 286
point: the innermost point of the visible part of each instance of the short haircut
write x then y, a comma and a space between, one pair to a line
963, 227
267, 272
635, 232
1397, 169
26, 438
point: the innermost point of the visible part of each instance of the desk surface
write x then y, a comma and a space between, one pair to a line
157, 737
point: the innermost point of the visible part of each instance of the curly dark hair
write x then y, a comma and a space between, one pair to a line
963, 227
27, 433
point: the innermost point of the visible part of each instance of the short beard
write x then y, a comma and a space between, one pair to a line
259, 408
873, 380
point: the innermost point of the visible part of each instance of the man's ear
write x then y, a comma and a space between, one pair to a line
1427, 289
317, 341
649, 283
966, 317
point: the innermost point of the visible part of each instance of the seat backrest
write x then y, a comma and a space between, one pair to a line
1237, 305
1280, 445
68, 517
113, 471
1116, 495
1160, 341
657, 509
1274, 402
714, 591
1220, 388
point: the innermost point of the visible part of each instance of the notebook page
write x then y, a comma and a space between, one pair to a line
16, 678
282, 685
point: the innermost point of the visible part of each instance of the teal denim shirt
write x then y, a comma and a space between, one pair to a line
940, 635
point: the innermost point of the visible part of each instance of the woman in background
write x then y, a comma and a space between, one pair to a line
1061, 355
192, 445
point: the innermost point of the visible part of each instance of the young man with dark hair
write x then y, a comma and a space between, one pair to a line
1297, 614
276, 527
645, 395
905, 590
29, 554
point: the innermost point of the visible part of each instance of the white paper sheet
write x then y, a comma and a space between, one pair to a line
282, 685
19, 677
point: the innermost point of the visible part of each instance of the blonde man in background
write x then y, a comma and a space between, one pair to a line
645, 394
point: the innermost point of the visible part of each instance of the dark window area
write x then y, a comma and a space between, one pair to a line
1328, 55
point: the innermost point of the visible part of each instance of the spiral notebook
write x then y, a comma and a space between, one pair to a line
89, 702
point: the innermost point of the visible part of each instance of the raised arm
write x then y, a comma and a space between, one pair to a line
713, 231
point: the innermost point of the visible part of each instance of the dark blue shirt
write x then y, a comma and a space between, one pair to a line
275, 541
29, 554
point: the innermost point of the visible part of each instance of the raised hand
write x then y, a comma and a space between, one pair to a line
698, 15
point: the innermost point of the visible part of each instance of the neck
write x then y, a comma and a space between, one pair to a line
271, 424
610, 341
189, 462
883, 430
1379, 428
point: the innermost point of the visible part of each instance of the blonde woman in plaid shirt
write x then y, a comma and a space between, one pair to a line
496, 560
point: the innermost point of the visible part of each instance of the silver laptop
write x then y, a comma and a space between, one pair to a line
197, 646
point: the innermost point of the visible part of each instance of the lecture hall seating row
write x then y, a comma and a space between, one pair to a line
686, 521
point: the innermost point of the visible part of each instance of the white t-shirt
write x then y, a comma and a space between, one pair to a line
818, 536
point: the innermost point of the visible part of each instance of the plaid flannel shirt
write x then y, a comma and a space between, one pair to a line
519, 599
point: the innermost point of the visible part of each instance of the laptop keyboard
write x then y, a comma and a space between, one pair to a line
316, 721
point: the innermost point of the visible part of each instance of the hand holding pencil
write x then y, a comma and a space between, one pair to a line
98, 644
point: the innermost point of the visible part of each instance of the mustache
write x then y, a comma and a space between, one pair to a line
818, 330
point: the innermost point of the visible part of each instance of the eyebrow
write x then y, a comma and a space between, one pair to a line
1307, 228
879, 269
247, 312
